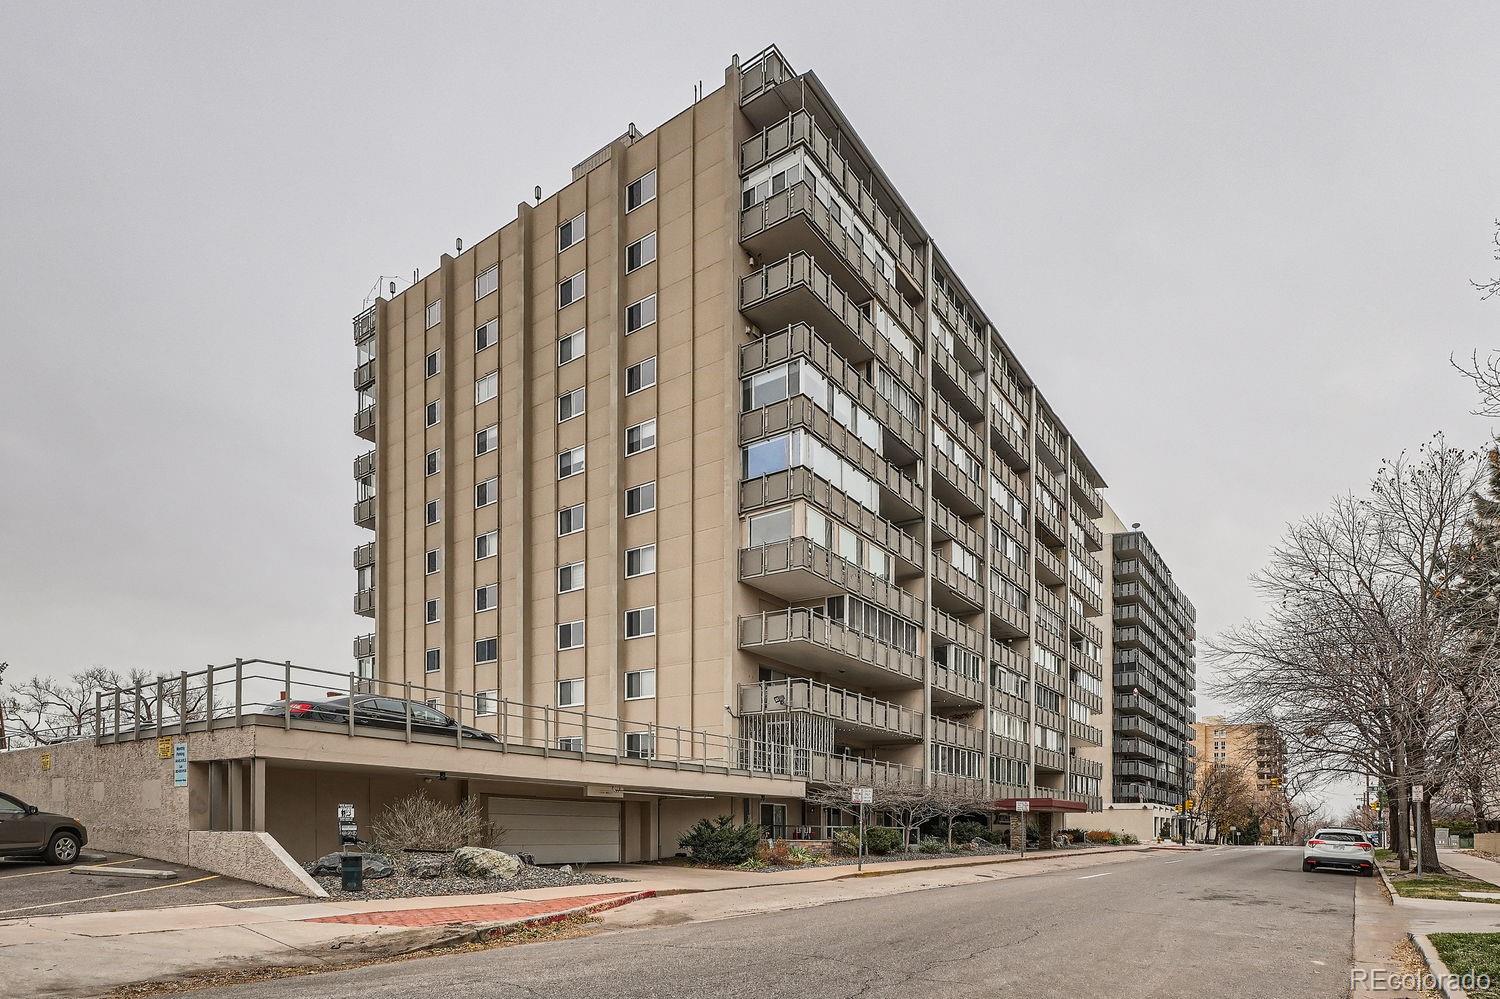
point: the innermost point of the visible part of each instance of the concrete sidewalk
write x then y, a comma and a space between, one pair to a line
88, 953
1474, 867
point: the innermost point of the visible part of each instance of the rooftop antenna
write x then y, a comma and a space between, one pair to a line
458, 244
536, 193
1136, 526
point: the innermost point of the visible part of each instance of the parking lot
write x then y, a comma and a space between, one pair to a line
29, 888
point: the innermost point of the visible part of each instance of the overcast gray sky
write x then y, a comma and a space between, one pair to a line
1232, 246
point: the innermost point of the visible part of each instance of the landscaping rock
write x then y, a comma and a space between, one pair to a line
428, 867
332, 865
478, 862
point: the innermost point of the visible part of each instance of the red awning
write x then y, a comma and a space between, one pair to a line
1040, 804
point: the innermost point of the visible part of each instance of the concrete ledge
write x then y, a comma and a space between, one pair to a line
251, 856
1444, 980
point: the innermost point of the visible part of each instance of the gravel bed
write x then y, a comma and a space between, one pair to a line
401, 886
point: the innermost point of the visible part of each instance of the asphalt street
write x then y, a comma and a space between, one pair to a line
1234, 922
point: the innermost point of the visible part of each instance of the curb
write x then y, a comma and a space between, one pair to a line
1390, 890
993, 859
1444, 979
486, 931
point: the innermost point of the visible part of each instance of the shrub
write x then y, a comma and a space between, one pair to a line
797, 855
967, 831
995, 837
1129, 839
417, 822
929, 845
721, 841
777, 854
1100, 836
880, 840
846, 842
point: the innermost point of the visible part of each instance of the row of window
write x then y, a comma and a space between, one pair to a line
638, 561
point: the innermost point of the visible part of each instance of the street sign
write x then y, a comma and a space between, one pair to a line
348, 831
1023, 806
46, 761
164, 748
1416, 792
346, 813
179, 763
862, 795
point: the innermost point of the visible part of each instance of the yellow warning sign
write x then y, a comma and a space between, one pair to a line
164, 748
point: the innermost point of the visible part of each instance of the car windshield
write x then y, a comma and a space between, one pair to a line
1339, 836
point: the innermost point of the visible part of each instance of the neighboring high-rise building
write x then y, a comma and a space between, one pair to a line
715, 439
1256, 749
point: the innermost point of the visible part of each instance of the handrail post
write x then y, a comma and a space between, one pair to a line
182, 689
458, 720
406, 706
156, 708
136, 721
546, 733
99, 713
208, 707
351, 703
117, 715
583, 743
287, 714
239, 691
504, 724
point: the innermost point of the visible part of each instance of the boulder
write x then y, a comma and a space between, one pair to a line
428, 867
374, 866
479, 862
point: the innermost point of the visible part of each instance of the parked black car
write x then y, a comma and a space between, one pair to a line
381, 712
27, 831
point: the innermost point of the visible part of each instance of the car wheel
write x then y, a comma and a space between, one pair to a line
63, 849
1307, 867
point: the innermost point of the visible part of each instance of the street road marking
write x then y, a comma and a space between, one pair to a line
1104, 875
1164, 863
98, 898
63, 870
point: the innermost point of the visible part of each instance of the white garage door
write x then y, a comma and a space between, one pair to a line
559, 832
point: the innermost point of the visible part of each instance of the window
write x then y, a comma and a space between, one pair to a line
486, 281
434, 511
640, 315
640, 684
570, 347
434, 413
571, 231
640, 623
569, 405
640, 745
570, 463
570, 693
641, 437
434, 461
433, 617
431, 702
434, 561
486, 440
484, 650
570, 577
640, 191
570, 636
434, 363
641, 375
486, 335
640, 253
570, 290
486, 387
484, 702
640, 499
484, 597
434, 660
640, 561
486, 493
570, 521
364, 577
769, 528
434, 313
486, 545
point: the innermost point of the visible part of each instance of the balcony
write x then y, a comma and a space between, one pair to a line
958, 386
759, 79
364, 513
364, 555
364, 465
1049, 568
364, 375
967, 341
1049, 448
867, 718
954, 487
1092, 536
953, 733
800, 128
1047, 759
1086, 768
801, 341
1092, 667
1007, 621
808, 640
797, 569
954, 591
1010, 444
364, 646
958, 428
364, 423
1085, 733
1084, 493
948, 525
951, 688
801, 483
794, 220
795, 290
364, 602
364, 324
1050, 528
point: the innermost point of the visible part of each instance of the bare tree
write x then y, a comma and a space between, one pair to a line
1222, 798
45, 709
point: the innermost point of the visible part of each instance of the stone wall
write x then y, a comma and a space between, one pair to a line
1488, 843
250, 856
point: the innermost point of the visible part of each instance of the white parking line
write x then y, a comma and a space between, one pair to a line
117, 894
1104, 875
1165, 862
64, 870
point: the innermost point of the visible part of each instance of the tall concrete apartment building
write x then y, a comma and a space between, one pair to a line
715, 439
1256, 749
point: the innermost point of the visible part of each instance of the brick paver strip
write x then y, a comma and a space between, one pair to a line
477, 913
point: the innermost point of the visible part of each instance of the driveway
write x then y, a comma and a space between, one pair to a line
1241, 922
30, 888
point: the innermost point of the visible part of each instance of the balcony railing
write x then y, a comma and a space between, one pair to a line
364, 513
798, 569
845, 708
364, 646
810, 640
364, 602
1084, 492
949, 525
364, 555
364, 375
364, 324
364, 465
802, 483
364, 423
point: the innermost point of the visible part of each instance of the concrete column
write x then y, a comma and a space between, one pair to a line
1017, 830
257, 795
235, 799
